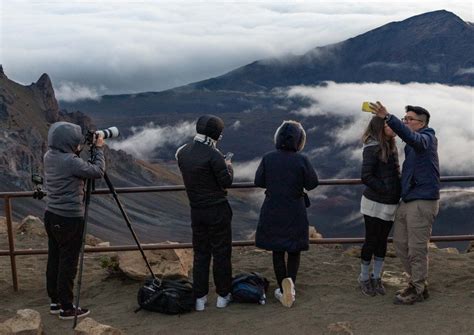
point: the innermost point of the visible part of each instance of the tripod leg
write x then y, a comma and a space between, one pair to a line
81, 260
127, 220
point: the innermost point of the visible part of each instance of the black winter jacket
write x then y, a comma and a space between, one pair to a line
205, 174
283, 222
382, 179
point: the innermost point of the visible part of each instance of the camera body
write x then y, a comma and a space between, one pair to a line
38, 192
92, 135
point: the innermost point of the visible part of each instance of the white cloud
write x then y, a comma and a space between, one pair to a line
457, 197
245, 171
136, 46
67, 91
451, 108
235, 125
469, 70
146, 140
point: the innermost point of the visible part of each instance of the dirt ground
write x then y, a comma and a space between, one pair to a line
326, 287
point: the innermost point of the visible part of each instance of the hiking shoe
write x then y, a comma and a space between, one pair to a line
288, 296
69, 314
223, 302
201, 304
408, 296
425, 294
366, 287
377, 286
54, 309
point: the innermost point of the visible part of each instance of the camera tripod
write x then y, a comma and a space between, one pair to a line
89, 187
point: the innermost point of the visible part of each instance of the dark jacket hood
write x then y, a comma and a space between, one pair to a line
64, 136
290, 136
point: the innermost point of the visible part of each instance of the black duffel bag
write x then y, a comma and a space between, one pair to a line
168, 296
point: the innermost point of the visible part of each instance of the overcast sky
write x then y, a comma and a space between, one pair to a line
90, 48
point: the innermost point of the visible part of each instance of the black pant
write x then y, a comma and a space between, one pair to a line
212, 237
283, 271
64, 246
376, 234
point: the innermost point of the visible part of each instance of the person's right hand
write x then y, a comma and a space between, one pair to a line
379, 109
99, 143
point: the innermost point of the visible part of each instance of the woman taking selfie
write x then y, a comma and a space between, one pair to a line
381, 176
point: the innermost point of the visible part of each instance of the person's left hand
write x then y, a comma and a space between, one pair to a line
379, 109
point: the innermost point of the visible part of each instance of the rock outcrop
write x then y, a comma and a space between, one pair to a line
89, 326
32, 225
163, 263
25, 322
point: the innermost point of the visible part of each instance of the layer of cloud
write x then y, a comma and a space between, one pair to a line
145, 141
67, 91
451, 108
245, 171
136, 46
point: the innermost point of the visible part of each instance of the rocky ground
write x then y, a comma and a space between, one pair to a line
328, 301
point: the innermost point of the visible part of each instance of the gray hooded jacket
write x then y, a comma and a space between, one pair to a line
65, 171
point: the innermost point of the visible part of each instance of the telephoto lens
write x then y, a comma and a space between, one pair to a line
111, 132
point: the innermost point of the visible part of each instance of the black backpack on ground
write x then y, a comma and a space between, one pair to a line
168, 296
249, 288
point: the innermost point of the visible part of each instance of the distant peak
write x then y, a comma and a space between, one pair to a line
44, 82
2, 74
434, 16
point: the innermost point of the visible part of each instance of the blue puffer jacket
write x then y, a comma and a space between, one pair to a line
420, 171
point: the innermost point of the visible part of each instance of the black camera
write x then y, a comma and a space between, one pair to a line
92, 135
38, 192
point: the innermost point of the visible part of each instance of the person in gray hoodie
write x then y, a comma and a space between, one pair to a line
65, 173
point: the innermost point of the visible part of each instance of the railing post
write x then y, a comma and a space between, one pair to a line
11, 242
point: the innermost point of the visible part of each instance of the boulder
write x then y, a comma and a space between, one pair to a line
32, 225
163, 262
471, 247
353, 252
340, 328
89, 326
313, 233
25, 322
92, 241
450, 250
5, 330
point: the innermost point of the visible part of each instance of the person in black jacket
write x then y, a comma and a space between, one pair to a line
283, 223
206, 175
381, 176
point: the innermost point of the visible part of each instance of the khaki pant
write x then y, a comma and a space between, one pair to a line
412, 232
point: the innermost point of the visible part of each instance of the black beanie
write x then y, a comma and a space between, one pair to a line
210, 125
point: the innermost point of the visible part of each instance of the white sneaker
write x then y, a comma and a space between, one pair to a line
222, 302
289, 293
278, 294
201, 304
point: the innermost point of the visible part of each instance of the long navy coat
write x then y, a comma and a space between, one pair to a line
283, 223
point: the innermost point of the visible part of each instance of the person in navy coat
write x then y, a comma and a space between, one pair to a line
283, 224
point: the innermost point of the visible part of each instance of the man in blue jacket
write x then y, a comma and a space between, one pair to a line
420, 197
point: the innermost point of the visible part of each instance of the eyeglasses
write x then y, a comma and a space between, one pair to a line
409, 119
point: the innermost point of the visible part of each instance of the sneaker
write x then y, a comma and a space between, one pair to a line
408, 296
278, 294
222, 302
288, 296
69, 314
366, 287
54, 309
377, 286
201, 304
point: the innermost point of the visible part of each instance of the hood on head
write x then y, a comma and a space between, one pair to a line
210, 125
64, 136
290, 136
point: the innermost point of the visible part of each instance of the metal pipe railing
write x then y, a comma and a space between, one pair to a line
12, 252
